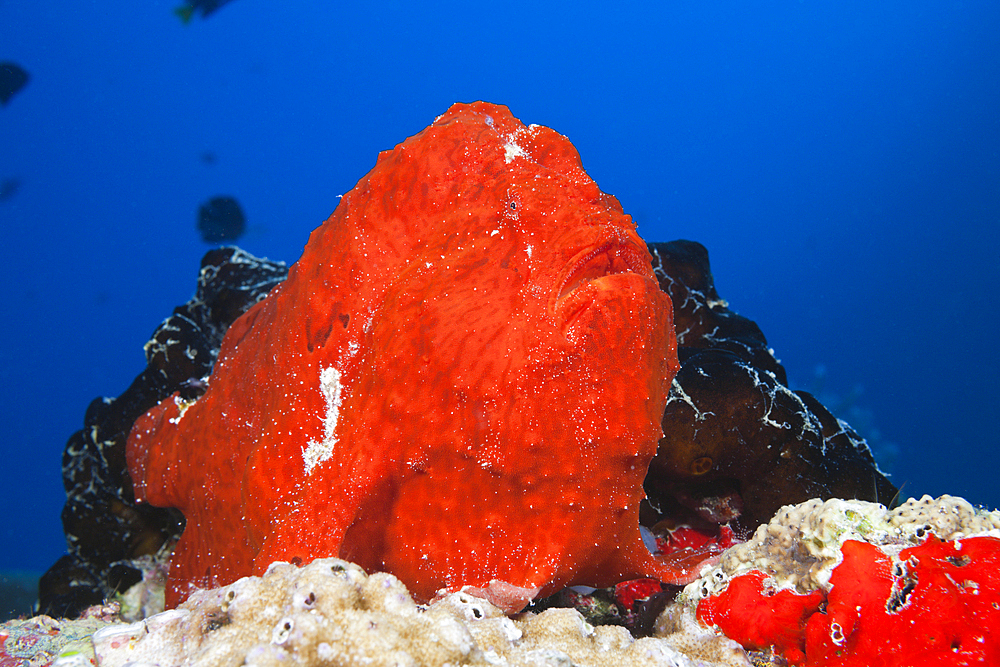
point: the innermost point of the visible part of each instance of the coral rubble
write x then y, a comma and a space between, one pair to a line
331, 613
42, 640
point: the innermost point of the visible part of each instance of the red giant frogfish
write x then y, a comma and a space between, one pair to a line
461, 382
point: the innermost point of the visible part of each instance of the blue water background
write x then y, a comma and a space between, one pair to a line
840, 160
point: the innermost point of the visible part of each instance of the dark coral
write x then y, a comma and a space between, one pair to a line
738, 443
105, 528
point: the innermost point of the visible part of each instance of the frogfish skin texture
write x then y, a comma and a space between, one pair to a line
461, 382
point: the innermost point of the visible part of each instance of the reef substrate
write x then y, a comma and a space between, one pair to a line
823, 583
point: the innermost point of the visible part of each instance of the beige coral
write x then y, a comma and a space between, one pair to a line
331, 613
800, 546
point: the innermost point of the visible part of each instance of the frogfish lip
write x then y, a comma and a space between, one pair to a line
594, 264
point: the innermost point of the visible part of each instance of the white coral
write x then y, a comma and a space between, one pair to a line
331, 613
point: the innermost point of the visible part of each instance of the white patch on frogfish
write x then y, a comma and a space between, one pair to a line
317, 452
511, 150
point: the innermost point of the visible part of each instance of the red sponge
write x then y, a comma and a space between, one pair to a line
938, 604
758, 618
